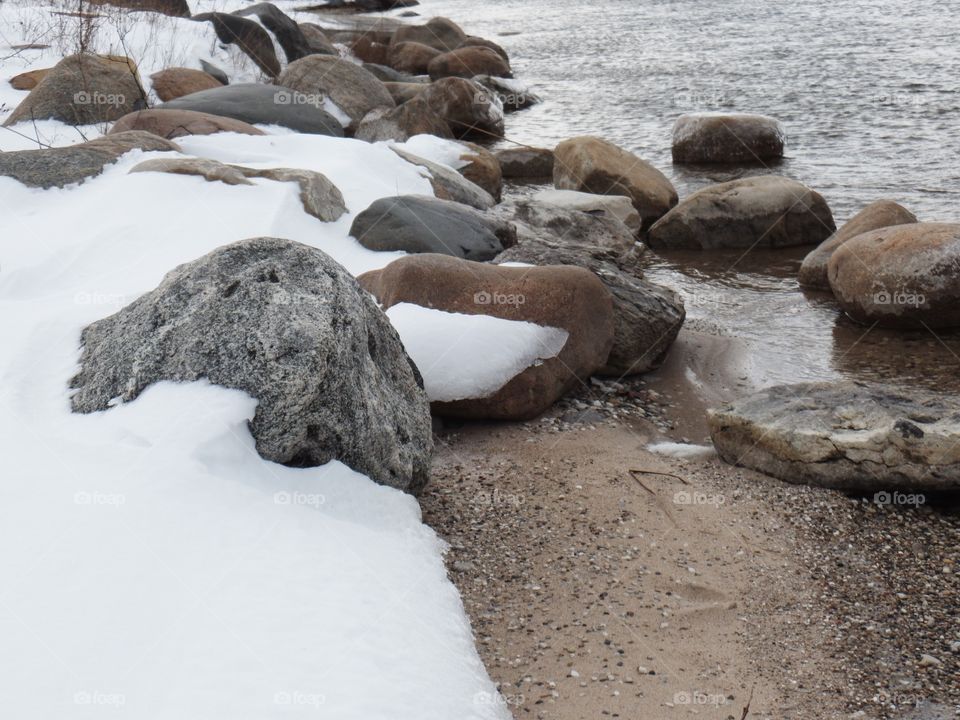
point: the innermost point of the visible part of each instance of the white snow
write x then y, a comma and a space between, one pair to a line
685, 451
439, 150
470, 356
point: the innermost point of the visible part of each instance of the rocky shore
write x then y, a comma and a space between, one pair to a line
349, 238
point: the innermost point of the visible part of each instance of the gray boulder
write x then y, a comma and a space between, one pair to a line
249, 36
265, 104
647, 316
58, 167
766, 211
844, 435
351, 88
421, 224
286, 324
448, 184
739, 138
82, 90
525, 163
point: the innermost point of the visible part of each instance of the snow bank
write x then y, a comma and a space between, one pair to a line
153, 565
470, 356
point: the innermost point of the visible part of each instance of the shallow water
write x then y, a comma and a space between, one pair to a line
869, 93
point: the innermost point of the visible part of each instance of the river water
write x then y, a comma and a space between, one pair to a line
869, 93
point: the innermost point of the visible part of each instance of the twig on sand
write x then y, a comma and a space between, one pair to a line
657, 472
746, 708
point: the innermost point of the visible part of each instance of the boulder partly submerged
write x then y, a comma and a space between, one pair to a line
731, 138
844, 435
286, 324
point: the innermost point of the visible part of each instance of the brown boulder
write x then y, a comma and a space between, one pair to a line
468, 62
876, 215
177, 123
83, 90
411, 57
482, 169
470, 109
369, 50
902, 276
28, 80
402, 92
473, 41
593, 165
177, 82
523, 163
439, 33
559, 296
414, 117
727, 138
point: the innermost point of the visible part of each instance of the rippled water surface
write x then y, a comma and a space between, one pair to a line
869, 93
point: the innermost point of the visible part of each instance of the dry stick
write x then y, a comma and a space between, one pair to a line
657, 472
746, 709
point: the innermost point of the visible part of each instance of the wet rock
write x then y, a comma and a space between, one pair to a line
353, 89
439, 33
287, 32
419, 224
83, 90
450, 185
256, 103
471, 110
57, 167
739, 138
414, 117
569, 298
876, 215
411, 57
177, 123
468, 62
765, 211
525, 163
901, 276
250, 37
175, 82
286, 324
513, 96
843, 435
593, 165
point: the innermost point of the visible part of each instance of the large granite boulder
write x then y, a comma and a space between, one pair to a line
83, 90
844, 435
766, 211
177, 123
265, 104
902, 276
439, 33
249, 36
420, 224
286, 324
592, 165
61, 166
619, 206
876, 215
351, 88
176, 82
468, 62
568, 298
739, 138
